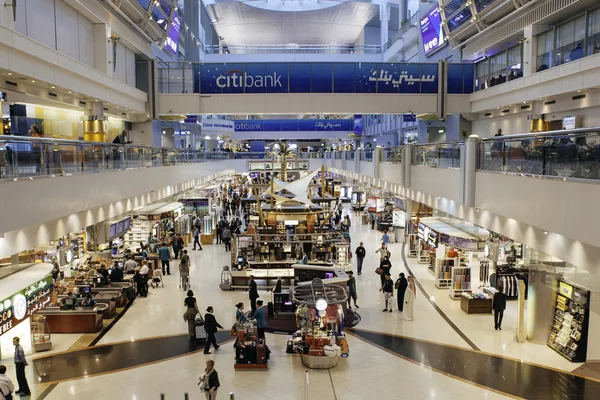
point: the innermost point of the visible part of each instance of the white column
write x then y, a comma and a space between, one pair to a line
102, 49
6, 15
384, 17
469, 163
401, 11
529, 61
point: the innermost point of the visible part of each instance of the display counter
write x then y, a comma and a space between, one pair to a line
109, 298
265, 278
384, 225
122, 288
475, 305
81, 320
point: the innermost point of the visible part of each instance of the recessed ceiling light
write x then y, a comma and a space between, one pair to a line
524, 102
32, 81
9, 74
70, 92
579, 91
53, 87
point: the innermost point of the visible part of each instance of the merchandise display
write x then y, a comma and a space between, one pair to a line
320, 319
569, 331
443, 272
460, 282
250, 351
476, 303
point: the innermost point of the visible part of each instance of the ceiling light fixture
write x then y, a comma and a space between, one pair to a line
32, 81
9, 74
53, 87
545, 232
70, 92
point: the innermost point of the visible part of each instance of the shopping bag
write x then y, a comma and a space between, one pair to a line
379, 271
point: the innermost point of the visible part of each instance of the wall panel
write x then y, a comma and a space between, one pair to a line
40, 21
67, 30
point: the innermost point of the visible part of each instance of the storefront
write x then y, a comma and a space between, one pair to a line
17, 309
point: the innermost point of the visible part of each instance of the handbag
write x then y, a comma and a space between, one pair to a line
8, 396
203, 383
199, 321
379, 271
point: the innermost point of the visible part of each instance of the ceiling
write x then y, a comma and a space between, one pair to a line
241, 24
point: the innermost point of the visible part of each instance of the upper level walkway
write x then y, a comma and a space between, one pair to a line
314, 88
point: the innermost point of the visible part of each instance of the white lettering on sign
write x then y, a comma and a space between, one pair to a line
237, 79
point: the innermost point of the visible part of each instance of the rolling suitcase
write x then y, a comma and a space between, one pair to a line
241, 355
271, 309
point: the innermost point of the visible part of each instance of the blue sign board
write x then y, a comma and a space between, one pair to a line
432, 33
233, 78
409, 118
294, 125
358, 125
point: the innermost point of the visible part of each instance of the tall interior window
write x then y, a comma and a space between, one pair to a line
482, 71
594, 32
545, 50
569, 41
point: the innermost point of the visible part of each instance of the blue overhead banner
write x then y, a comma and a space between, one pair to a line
232, 78
294, 125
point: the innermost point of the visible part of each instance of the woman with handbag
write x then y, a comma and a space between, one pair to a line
190, 313
209, 382
384, 267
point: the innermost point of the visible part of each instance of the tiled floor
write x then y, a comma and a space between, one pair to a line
368, 373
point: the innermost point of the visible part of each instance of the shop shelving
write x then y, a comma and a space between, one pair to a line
460, 282
443, 271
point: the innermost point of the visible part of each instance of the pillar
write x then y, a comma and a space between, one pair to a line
384, 17
541, 300
6, 15
93, 125
469, 163
377, 157
405, 166
14, 259
529, 51
344, 155
402, 6
357, 156
102, 49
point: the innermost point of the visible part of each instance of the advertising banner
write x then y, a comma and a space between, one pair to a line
172, 41
358, 125
315, 78
432, 33
293, 125
221, 125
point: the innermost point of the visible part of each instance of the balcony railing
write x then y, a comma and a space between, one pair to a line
293, 49
413, 21
566, 154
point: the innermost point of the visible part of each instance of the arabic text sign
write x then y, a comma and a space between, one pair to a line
294, 125
315, 78
24, 303
432, 33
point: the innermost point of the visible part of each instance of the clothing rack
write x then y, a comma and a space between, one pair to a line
484, 272
508, 278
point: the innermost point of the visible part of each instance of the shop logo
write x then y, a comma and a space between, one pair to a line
238, 79
20, 306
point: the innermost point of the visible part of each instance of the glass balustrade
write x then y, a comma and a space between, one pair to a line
442, 155
564, 154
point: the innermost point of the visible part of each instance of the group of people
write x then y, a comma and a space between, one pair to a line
7, 387
404, 288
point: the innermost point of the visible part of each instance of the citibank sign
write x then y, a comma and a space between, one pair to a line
238, 79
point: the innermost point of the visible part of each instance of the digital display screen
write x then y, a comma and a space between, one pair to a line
144, 3
565, 289
358, 125
172, 41
112, 230
165, 6
127, 224
432, 33
291, 222
459, 19
160, 18
120, 227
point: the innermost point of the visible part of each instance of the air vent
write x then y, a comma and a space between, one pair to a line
105, 109
527, 107
52, 94
11, 83
506, 110
82, 103
547, 103
124, 114
488, 114
579, 96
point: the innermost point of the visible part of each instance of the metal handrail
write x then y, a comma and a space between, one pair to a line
300, 49
410, 22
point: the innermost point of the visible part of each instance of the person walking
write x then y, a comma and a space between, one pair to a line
401, 285
360, 257
180, 244
383, 252
227, 238
499, 305
165, 256
409, 299
190, 313
260, 316
388, 291
184, 270
253, 294
210, 381
219, 232
372, 220
385, 238
6, 385
144, 270
352, 294
20, 364
197, 239
385, 265
211, 326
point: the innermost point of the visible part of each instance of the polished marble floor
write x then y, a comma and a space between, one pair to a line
370, 372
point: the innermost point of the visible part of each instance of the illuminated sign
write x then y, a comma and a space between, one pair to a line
565, 289
21, 305
432, 32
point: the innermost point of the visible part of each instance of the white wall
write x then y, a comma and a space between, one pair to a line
58, 26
